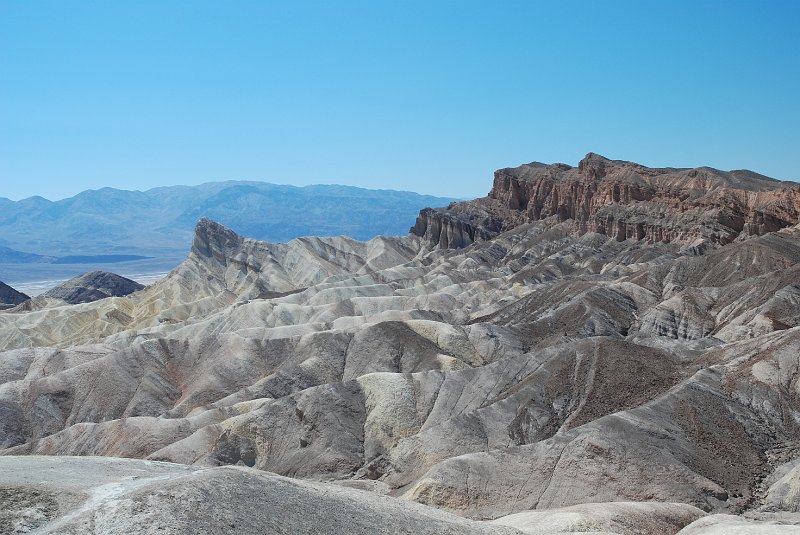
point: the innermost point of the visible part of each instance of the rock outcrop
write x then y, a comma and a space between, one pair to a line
10, 297
91, 287
622, 200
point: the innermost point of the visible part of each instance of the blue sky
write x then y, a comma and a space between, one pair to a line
425, 96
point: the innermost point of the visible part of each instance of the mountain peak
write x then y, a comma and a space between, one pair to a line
590, 156
593, 166
211, 237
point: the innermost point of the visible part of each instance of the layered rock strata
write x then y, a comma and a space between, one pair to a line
622, 200
519, 379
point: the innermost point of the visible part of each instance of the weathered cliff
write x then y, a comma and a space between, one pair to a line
622, 200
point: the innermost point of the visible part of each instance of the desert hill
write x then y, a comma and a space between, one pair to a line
9, 296
510, 359
91, 287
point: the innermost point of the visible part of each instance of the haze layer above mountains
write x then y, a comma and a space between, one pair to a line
159, 220
607, 348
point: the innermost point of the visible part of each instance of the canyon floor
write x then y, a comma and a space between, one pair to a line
602, 348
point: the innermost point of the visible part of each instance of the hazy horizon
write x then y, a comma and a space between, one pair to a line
412, 96
313, 184
266, 182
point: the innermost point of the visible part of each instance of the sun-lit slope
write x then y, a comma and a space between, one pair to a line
111, 496
703, 441
102, 495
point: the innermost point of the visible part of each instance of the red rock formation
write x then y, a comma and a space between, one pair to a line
622, 200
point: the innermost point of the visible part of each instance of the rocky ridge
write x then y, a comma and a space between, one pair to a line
542, 379
622, 200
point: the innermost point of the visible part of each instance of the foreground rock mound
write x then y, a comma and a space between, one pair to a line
617, 517
542, 368
76, 495
101, 495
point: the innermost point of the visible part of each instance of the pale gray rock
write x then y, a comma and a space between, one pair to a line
783, 493
736, 525
703, 442
69, 495
628, 518
549, 365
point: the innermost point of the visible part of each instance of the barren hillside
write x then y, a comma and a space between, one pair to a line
583, 335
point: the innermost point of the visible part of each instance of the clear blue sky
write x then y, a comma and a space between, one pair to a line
429, 96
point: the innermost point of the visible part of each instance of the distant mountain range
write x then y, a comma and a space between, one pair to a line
11, 256
109, 225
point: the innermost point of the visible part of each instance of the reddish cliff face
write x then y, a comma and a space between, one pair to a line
623, 200
463, 223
